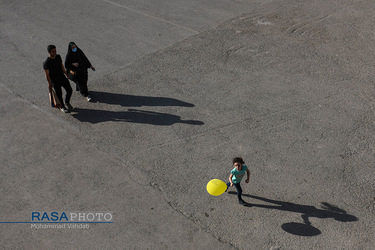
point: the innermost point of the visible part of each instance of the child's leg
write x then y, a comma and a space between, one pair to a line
239, 191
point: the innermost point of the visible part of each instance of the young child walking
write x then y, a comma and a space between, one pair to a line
236, 175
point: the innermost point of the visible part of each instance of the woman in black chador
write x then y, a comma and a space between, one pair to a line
76, 63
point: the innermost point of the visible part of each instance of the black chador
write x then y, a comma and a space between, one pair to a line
76, 64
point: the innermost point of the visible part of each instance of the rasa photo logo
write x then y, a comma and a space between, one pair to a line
78, 220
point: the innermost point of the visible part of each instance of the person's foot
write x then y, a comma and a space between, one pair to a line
88, 98
70, 107
64, 110
242, 202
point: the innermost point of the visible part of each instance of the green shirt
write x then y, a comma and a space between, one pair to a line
238, 175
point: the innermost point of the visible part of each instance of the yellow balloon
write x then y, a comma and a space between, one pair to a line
216, 187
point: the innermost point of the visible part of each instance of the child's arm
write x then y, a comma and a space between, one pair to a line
230, 180
248, 175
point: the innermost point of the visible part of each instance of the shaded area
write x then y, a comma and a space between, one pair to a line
136, 101
131, 115
300, 229
304, 229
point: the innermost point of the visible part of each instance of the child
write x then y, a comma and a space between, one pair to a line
236, 175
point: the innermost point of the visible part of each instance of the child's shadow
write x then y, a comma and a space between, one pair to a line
304, 229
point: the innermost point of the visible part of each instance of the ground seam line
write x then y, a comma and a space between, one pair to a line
151, 16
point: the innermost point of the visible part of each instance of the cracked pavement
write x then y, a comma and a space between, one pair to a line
181, 88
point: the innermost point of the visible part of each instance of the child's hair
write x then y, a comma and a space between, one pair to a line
238, 160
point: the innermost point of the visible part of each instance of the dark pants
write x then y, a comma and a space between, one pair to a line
57, 84
81, 83
238, 188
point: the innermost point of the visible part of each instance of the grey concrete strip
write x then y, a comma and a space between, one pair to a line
199, 15
150, 16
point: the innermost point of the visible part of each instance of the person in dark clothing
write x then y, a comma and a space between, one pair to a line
76, 63
57, 77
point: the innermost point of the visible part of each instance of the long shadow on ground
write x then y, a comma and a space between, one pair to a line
136, 101
131, 115
303, 229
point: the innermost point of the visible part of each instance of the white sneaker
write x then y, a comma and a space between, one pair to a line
64, 110
88, 98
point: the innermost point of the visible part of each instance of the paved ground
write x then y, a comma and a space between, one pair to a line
181, 87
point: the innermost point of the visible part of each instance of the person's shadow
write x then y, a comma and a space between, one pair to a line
303, 229
136, 101
131, 115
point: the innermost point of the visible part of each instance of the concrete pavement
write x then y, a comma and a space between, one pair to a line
180, 89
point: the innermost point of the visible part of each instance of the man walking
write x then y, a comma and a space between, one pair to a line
57, 77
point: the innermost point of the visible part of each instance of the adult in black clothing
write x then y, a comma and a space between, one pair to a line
57, 77
76, 63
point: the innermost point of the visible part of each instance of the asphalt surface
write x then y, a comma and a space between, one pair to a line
181, 88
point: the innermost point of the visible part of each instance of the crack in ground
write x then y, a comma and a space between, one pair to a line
189, 216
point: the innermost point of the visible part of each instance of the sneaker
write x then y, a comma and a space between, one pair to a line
88, 98
70, 107
64, 110
242, 202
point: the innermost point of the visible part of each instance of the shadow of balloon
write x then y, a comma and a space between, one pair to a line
300, 229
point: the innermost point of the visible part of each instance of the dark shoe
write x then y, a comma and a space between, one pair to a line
70, 107
242, 202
